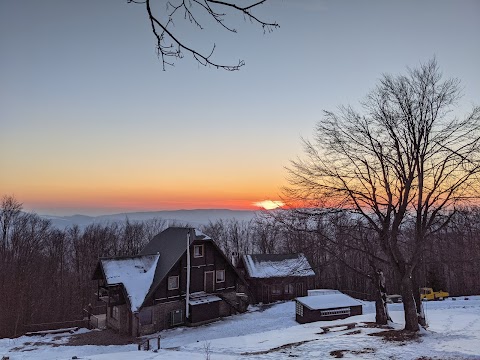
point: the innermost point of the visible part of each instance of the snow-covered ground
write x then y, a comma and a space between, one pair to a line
272, 333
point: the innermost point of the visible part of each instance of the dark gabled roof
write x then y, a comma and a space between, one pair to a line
265, 266
171, 244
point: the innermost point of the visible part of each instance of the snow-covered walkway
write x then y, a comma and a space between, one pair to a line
272, 333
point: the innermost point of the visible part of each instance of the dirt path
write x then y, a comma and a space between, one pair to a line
102, 337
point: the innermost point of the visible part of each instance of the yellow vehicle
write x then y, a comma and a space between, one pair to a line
429, 294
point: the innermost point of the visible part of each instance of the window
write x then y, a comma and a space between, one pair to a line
289, 289
145, 316
177, 317
116, 296
197, 251
343, 311
276, 290
114, 312
173, 282
220, 276
299, 308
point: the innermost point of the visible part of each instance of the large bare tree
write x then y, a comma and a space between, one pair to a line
404, 162
170, 45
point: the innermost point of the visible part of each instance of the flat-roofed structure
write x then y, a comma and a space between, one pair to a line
324, 305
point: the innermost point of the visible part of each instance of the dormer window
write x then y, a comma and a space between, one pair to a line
220, 276
197, 251
173, 282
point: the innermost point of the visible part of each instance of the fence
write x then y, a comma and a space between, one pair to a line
145, 344
359, 295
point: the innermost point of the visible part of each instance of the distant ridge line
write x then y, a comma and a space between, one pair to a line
188, 216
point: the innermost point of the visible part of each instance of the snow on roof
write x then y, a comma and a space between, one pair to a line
202, 298
316, 292
273, 265
134, 273
198, 233
328, 301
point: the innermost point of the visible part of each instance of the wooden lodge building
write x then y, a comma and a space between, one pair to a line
274, 277
180, 277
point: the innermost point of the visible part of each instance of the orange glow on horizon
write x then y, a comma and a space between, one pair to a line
87, 191
138, 205
115, 202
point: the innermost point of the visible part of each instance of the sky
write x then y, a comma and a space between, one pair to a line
90, 123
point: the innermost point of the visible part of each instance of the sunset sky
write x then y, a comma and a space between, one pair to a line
90, 124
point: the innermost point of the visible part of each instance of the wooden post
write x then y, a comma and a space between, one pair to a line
187, 290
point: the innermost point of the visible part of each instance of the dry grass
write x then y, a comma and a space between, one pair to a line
398, 335
341, 353
279, 348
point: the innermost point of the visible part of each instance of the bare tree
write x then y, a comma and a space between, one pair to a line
169, 44
10, 209
234, 237
404, 162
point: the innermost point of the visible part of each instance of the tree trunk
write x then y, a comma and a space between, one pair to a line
409, 305
381, 314
416, 295
381, 311
422, 320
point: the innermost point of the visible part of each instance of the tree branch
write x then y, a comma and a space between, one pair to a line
169, 45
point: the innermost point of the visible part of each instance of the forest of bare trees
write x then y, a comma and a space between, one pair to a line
45, 272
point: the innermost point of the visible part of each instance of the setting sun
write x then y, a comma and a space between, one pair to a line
269, 204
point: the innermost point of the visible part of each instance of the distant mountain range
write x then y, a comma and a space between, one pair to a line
190, 217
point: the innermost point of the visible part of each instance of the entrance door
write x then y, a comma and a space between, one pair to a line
300, 290
130, 325
265, 294
209, 281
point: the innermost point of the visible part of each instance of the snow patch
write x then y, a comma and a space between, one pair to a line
203, 298
316, 292
198, 233
270, 332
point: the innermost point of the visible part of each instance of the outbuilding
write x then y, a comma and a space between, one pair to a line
276, 277
325, 305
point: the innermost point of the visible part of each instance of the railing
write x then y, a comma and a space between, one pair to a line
93, 319
97, 310
145, 344
232, 304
